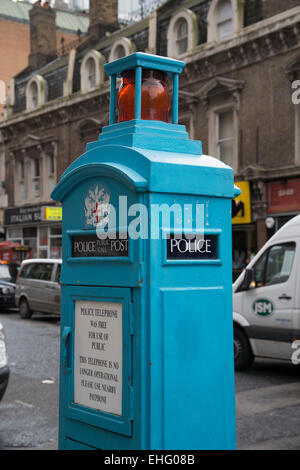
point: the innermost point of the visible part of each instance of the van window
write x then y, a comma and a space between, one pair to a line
39, 271
43, 271
275, 265
26, 271
57, 275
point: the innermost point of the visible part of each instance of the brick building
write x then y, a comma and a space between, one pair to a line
242, 58
15, 35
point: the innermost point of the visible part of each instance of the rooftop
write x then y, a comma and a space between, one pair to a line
69, 21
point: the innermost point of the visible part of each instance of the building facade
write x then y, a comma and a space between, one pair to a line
236, 95
15, 36
15, 49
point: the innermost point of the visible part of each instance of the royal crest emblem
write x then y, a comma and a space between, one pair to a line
97, 206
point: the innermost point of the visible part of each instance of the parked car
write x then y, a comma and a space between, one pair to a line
266, 300
4, 369
8, 274
38, 287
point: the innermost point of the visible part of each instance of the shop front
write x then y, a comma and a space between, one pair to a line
283, 196
243, 230
38, 227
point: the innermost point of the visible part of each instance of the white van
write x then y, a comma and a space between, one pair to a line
266, 300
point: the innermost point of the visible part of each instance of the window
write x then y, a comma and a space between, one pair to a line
121, 48
57, 275
38, 271
223, 133
21, 171
43, 271
55, 242
182, 36
182, 33
89, 130
35, 92
36, 178
27, 271
120, 52
34, 100
51, 172
223, 119
30, 239
14, 233
188, 121
275, 265
43, 236
92, 71
224, 19
225, 137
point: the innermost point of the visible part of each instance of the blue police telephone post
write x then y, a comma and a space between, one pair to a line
146, 314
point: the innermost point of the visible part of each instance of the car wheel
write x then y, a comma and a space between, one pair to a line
24, 309
243, 356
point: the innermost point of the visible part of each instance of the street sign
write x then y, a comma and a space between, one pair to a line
241, 205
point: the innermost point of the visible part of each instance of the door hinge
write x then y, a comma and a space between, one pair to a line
66, 335
131, 403
141, 274
131, 320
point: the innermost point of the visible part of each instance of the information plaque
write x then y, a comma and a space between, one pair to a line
98, 356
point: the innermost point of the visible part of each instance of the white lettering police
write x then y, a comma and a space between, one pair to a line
190, 246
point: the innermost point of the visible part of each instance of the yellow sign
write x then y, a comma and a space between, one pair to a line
241, 205
53, 213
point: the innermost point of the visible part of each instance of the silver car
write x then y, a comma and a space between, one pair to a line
38, 287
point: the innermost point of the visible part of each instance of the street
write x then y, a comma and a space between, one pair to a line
267, 396
29, 409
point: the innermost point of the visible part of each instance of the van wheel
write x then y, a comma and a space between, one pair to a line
243, 356
24, 309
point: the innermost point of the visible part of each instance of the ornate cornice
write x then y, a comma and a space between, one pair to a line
256, 172
33, 146
276, 35
56, 113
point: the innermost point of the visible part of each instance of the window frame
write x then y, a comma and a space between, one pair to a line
220, 22
188, 120
41, 87
172, 34
185, 37
212, 23
51, 173
125, 43
21, 175
98, 60
219, 140
266, 254
36, 177
213, 117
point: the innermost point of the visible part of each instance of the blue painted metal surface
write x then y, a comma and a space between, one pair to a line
177, 332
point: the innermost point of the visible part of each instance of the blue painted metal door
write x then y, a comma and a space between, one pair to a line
97, 386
